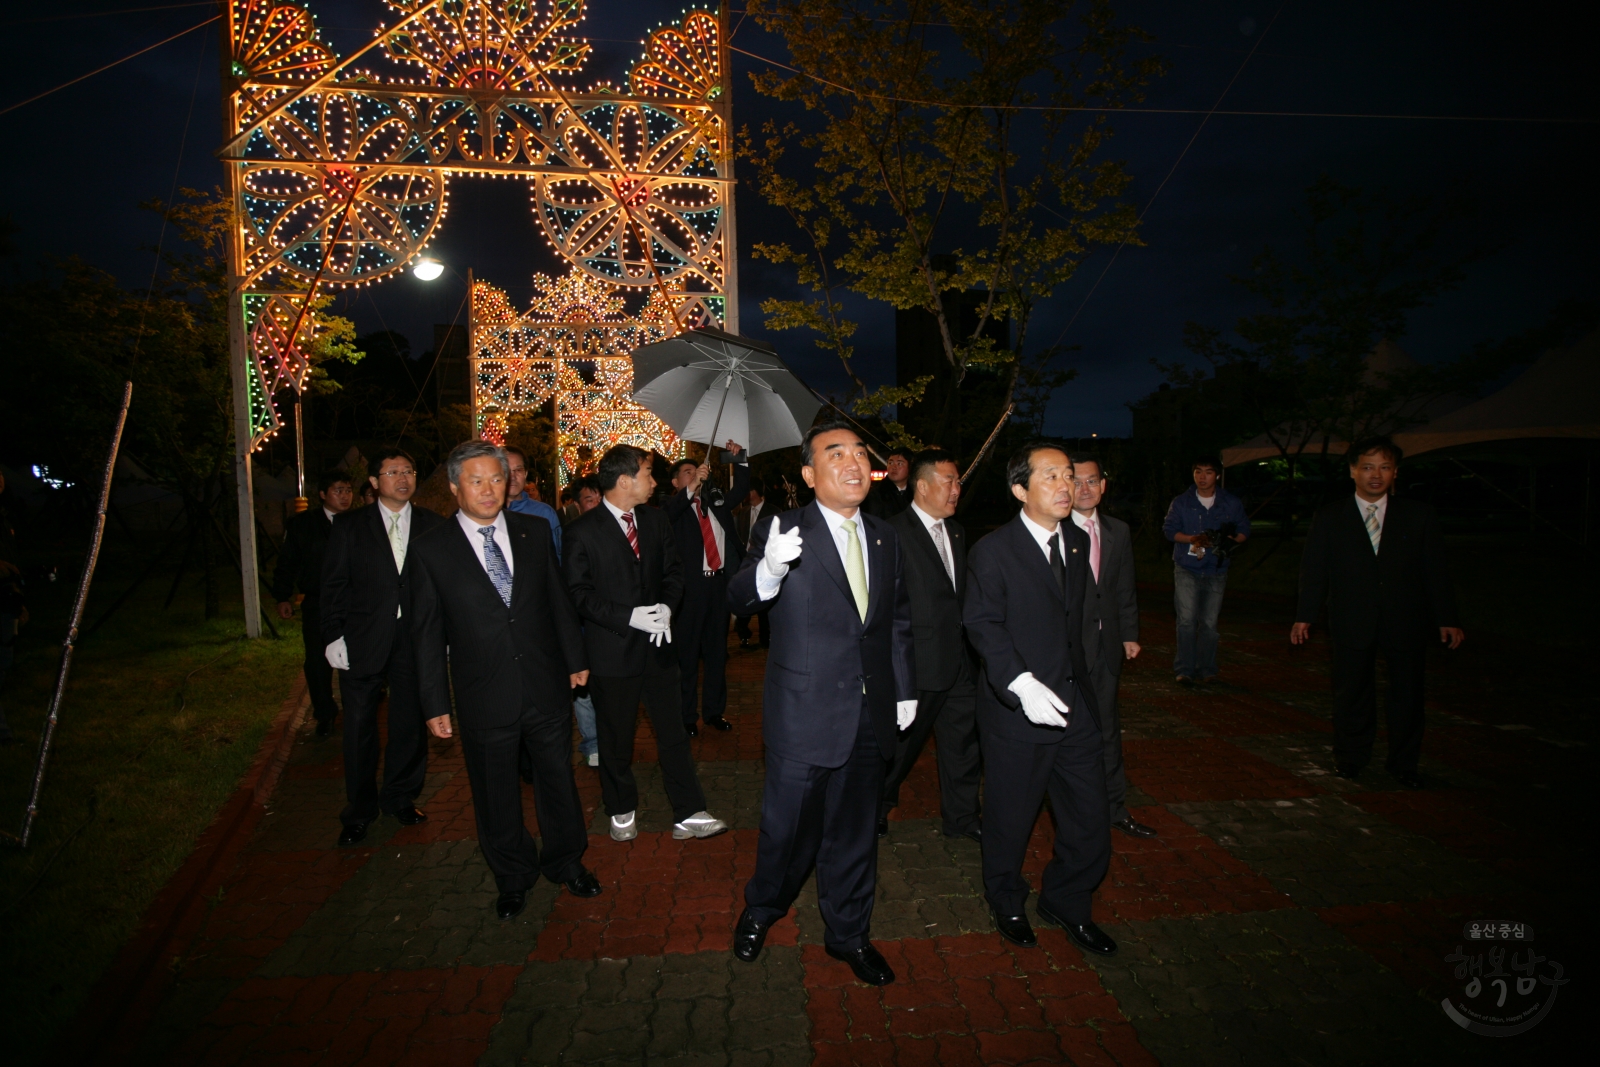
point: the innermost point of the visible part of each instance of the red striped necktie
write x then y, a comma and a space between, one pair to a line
633, 533
713, 557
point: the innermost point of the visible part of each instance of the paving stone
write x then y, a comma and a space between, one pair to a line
413, 906
679, 1009
1205, 768
1277, 987
1310, 756
1324, 851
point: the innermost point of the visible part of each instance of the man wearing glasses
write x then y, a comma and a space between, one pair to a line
365, 596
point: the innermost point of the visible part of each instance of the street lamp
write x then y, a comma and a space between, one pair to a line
427, 270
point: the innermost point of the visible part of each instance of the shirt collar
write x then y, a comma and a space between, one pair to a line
1040, 534
1083, 521
404, 513
1363, 505
471, 526
616, 512
927, 520
330, 513
834, 519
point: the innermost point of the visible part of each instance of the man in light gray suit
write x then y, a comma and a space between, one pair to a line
1110, 622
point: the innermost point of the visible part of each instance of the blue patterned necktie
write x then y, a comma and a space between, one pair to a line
494, 561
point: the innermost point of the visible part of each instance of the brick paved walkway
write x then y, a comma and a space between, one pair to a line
1282, 916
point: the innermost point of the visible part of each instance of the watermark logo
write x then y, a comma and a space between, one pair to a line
1490, 999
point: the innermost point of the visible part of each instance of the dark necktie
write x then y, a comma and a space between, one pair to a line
1057, 566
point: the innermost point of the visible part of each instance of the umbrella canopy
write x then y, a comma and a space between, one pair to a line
712, 386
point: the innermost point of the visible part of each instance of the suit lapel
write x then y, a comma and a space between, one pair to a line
880, 565
1035, 559
521, 563
924, 541
467, 557
818, 539
958, 556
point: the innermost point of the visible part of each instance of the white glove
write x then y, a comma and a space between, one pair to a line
782, 549
337, 655
905, 712
1039, 704
652, 618
664, 634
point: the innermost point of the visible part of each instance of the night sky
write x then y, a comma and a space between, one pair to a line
82, 159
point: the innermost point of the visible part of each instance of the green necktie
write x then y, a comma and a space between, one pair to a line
855, 567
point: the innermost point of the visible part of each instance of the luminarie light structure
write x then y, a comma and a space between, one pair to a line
339, 171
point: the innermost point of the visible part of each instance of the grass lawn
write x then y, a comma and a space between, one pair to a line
164, 712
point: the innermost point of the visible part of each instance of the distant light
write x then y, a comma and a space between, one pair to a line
427, 270
1094, 435
43, 474
879, 476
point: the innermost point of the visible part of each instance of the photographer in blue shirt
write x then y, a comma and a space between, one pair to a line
1200, 522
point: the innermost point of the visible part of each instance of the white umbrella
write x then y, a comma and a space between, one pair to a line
712, 386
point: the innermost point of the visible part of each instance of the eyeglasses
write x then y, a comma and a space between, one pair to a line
398, 474
1092, 483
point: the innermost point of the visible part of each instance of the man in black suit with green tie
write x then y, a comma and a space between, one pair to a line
1378, 563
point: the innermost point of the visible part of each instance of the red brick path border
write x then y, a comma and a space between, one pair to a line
120, 1006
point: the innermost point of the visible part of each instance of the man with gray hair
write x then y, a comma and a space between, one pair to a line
491, 619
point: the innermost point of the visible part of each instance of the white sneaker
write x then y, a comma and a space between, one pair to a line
623, 827
594, 759
700, 824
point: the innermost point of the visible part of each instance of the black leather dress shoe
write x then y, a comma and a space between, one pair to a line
585, 884
694, 729
1015, 929
748, 937
974, 834
883, 826
1134, 829
324, 728
353, 834
1409, 779
719, 723
1086, 936
510, 905
1348, 772
410, 815
867, 962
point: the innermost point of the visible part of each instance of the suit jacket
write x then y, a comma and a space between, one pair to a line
741, 519
822, 652
1018, 620
1399, 595
936, 627
885, 500
501, 659
606, 582
361, 590
305, 541
686, 527
1111, 604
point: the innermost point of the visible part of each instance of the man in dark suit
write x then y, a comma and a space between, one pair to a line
1110, 623
366, 594
305, 540
840, 685
493, 622
1036, 712
1378, 562
625, 578
711, 551
745, 519
934, 549
892, 495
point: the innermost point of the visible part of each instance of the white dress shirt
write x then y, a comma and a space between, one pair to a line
405, 525
718, 534
1043, 535
767, 586
617, 513
331, 514
502, 537
1383, 511
755, 517
929, 522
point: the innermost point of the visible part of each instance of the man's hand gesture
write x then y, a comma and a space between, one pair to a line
782, 549
1039, 703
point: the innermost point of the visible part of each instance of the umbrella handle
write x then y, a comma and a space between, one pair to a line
717, 425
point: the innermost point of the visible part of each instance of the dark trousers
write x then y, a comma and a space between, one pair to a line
616, 716
949, 716
1104, 681
491, 757
700, 631
1355, 704
405, 756
319, 676
1020, 773
824, 817
741, 626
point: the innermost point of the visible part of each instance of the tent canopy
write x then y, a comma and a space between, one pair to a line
1557, 397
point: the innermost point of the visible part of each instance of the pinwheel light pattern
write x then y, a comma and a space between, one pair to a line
339, 172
